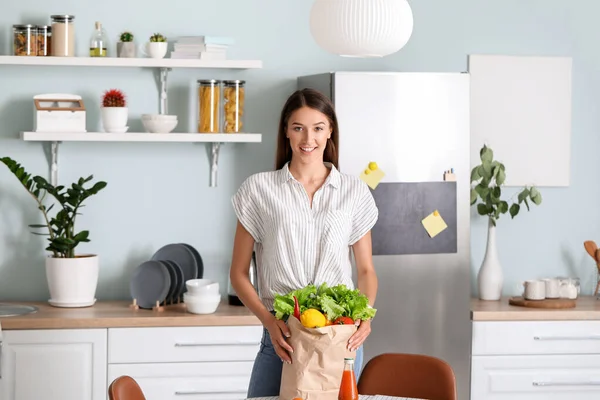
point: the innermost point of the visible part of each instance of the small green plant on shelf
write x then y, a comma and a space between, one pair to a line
486, 180
126, 37
113, 98
60, 228
157, 37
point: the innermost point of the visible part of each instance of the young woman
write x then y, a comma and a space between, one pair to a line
303, 218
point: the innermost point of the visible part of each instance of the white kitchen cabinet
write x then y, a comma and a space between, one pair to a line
530, 360
198, 363
53, 364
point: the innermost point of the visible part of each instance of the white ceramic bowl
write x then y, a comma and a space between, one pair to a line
159, 126
203, 304
161, 117
202, 286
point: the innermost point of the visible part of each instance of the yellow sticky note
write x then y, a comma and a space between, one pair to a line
434, 223
372, 175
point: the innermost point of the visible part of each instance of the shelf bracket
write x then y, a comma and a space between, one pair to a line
52, 155
214, 163
163, 90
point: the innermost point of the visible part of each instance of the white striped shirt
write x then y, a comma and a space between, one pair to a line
297, 245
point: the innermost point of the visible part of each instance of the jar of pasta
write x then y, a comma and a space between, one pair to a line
25, 40
233, 106
44, 40
209, 100
63, 35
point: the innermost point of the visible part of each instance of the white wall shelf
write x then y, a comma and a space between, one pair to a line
129, 62
163, 65
215, 139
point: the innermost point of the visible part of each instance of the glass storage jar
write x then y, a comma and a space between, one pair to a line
233, 106
209, 100
63, 35
25, 40
44, 40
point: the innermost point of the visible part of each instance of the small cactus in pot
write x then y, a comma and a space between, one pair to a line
158, 38
125, 46
156, 46
114, 111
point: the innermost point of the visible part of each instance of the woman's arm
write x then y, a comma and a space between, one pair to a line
366, 277
239, 275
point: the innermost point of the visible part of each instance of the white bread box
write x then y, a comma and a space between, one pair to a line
58, 113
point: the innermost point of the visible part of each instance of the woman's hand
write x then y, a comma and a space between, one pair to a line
361, 334
278, 331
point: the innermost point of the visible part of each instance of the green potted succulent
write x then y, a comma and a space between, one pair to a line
125, 46
157, 46
72, 277
486, 181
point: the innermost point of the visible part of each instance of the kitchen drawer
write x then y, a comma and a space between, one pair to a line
555, 377
183, 344
535, 337
189, 381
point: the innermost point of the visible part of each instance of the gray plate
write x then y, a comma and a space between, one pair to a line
179, 284
198, 259
150, 282
173, 276
182, 256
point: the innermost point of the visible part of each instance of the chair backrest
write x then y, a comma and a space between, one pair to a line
408, 375
125, 388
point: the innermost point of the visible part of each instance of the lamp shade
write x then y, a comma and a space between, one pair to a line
361, 28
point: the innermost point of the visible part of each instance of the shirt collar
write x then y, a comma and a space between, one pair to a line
333, 178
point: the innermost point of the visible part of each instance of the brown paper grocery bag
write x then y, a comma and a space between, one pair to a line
317, 361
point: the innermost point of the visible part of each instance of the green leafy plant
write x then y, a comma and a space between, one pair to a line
126, 37
157, 37
486, 180
61, 228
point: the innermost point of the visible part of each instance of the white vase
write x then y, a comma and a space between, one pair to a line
114, 119
490, 278
72, 281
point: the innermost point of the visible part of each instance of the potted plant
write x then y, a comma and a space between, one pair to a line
114, 111
72, 278
486, 180
157, 46
125, 46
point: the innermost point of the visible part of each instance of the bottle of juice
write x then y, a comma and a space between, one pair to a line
348, 388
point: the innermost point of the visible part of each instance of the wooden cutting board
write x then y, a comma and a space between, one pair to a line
546, 303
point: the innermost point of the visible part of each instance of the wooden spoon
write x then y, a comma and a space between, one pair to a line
597, 258
591, 248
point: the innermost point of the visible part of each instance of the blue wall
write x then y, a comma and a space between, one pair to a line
159, 193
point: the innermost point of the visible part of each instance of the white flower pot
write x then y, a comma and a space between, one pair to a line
72, 281
490, 278
114, 119
126, 49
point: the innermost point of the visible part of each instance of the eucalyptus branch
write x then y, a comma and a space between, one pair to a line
488, 177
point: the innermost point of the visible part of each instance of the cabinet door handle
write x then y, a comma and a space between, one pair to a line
0, 355
590, 337
195, 344
193, 392
575, 383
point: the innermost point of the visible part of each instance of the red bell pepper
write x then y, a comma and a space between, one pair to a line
296, 308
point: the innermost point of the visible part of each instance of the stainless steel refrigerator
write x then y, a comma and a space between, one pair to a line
415, 126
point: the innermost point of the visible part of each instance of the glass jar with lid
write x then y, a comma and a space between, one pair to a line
209, 100
63, 35
233, 106
25, 40
44, 40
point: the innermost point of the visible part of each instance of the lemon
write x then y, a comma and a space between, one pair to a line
367, 171
312, 318
372, 165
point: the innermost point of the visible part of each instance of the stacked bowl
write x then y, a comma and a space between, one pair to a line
202, 296
159, 123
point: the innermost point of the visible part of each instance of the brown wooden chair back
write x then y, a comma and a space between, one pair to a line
408, 375
125, 388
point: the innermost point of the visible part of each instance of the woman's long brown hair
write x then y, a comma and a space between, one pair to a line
317, 101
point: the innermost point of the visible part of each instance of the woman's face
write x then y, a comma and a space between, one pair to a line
308, 131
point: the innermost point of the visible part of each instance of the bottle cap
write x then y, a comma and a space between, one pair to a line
349, 360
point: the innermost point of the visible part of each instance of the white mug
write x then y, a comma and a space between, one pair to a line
154, 49
552, 288
534, 290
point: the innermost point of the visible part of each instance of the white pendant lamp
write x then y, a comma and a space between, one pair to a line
361, 28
